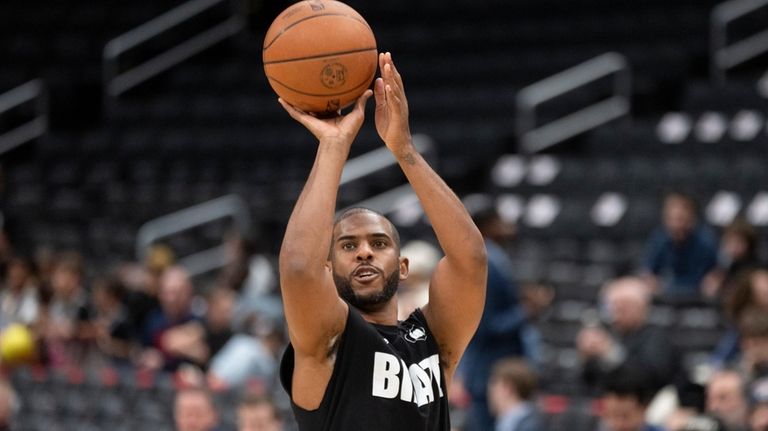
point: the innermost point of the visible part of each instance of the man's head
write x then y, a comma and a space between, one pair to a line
67, 275
727, 400
739, 240
221, 307
493, 227
258, 413
625, 400
627, 300
365, 259
18, 273
194, 410
753, 326
512, 382
679, 216
175, 292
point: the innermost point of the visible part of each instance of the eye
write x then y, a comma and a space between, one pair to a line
348, 246
379, 244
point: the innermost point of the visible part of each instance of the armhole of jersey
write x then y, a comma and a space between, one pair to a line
288, 362
422, 319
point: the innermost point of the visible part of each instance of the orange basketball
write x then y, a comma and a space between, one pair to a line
320, 55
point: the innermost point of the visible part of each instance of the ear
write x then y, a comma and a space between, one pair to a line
403, 268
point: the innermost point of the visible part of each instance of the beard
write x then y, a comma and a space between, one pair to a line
371, 302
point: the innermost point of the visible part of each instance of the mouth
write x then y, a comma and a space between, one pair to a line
365, 274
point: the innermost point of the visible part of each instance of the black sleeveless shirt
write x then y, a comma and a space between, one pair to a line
385, 378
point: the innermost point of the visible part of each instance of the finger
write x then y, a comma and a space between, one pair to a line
380, 93
362, 100
395, 72
293, 112
392, 96
382, 61
391, 79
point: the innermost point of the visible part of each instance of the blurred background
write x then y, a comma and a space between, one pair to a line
614, 153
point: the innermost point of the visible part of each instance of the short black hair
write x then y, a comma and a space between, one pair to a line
628, 382
359, 210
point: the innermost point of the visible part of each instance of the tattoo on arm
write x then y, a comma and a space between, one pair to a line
409, 159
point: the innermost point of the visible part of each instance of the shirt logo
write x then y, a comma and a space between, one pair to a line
415, 334
415, 383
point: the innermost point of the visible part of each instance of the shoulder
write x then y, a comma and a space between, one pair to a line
532, 421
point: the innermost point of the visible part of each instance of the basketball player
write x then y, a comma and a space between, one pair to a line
352, 365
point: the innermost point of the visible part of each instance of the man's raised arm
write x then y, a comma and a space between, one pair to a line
313, 309
457, 289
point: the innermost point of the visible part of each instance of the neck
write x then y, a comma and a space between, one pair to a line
386, 315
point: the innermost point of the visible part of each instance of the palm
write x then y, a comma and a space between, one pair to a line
391, 105
383, 121
343, 127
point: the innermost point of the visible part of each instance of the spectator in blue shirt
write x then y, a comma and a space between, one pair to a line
681, 252
512, 396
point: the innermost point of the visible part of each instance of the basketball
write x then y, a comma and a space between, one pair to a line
17, 345
320, 55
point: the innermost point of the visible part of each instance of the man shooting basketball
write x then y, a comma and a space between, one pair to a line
351, 365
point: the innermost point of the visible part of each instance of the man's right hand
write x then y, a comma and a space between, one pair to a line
340, 130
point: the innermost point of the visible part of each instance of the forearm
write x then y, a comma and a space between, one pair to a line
458, 236
308, 233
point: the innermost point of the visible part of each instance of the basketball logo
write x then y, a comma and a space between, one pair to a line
316, 6
334, 75
415, 334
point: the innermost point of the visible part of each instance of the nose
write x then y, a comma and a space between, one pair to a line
364, 252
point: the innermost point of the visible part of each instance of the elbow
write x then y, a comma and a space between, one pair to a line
477, 252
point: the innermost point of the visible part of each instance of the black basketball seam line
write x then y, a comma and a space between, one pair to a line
312, 17
323, 95
328, 54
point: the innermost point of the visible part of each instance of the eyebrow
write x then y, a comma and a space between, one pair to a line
354, 237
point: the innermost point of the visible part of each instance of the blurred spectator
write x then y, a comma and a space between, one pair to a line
249, 272
681, 252
750, 290
45, 263
753, 327
727, 400
628, 342
166, 338
738, 251
535, 298
511, 396
141, 293
258, 413
195, 410
413, 292
66, 311
19, 301
218, 319
252, 275
499, 334
624, 403
109, 325
758, 419
9, 405
249, 358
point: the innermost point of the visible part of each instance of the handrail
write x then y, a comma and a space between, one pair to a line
535, 138
384, 202
117, 82
724, 56
32, 91
226, 206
